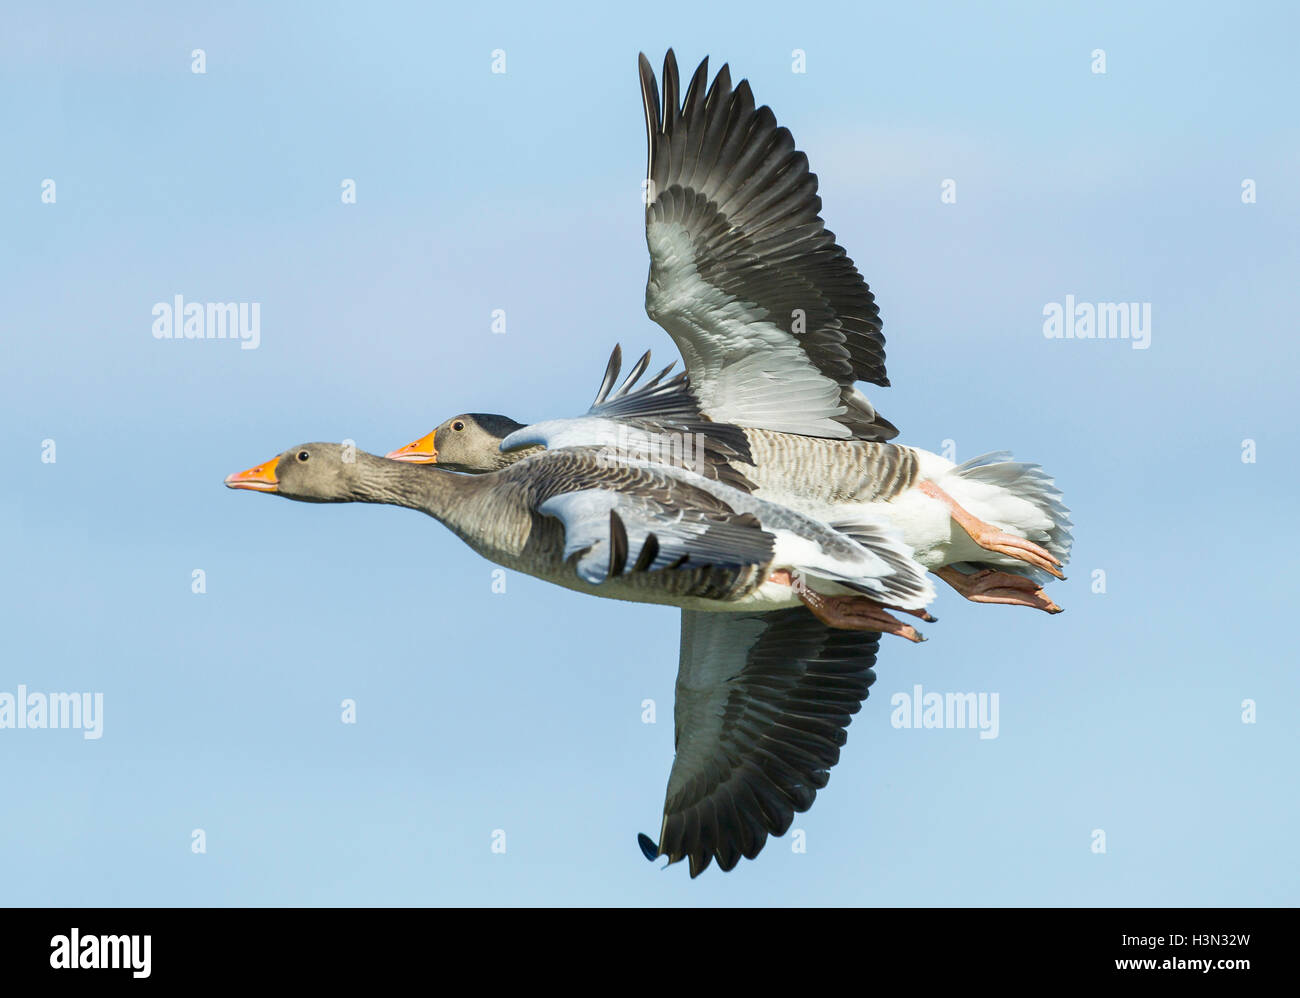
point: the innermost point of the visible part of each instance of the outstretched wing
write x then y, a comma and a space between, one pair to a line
762, 703
771, 316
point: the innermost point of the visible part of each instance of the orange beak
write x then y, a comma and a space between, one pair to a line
259, 479
420, 452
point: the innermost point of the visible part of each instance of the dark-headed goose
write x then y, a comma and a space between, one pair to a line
993, 528
775, 324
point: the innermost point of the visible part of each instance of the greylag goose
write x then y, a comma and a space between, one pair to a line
775, 324
762, 698
970, 523
630, 530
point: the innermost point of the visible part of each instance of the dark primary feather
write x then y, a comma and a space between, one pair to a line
617, 544
726, 171
649, 552
783, 713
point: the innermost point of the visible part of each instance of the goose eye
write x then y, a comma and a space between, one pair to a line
458, 425
303, 455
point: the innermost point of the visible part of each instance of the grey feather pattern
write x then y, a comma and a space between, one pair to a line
807, 470
732, 177
662, 408
762, 703
614, 514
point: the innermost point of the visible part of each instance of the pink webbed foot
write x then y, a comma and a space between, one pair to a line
989, 586
990, 538
851, 613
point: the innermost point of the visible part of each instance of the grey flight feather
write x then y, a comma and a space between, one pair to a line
723, 172
762, 703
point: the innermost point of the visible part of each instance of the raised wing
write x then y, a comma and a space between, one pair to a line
762, 703
771, 316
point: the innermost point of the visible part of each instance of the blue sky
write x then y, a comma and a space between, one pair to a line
521, 711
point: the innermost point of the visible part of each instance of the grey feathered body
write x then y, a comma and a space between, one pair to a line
499, 521
651, 533
817, 470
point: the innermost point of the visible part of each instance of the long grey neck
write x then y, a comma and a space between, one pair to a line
444, 495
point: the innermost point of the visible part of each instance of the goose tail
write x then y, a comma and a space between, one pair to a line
1017, 485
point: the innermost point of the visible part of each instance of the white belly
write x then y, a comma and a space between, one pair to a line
925, 523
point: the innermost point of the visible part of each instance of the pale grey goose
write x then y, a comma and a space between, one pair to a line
624, 529
762, 697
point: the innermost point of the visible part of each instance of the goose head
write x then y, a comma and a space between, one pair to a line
469, 442
314, 472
